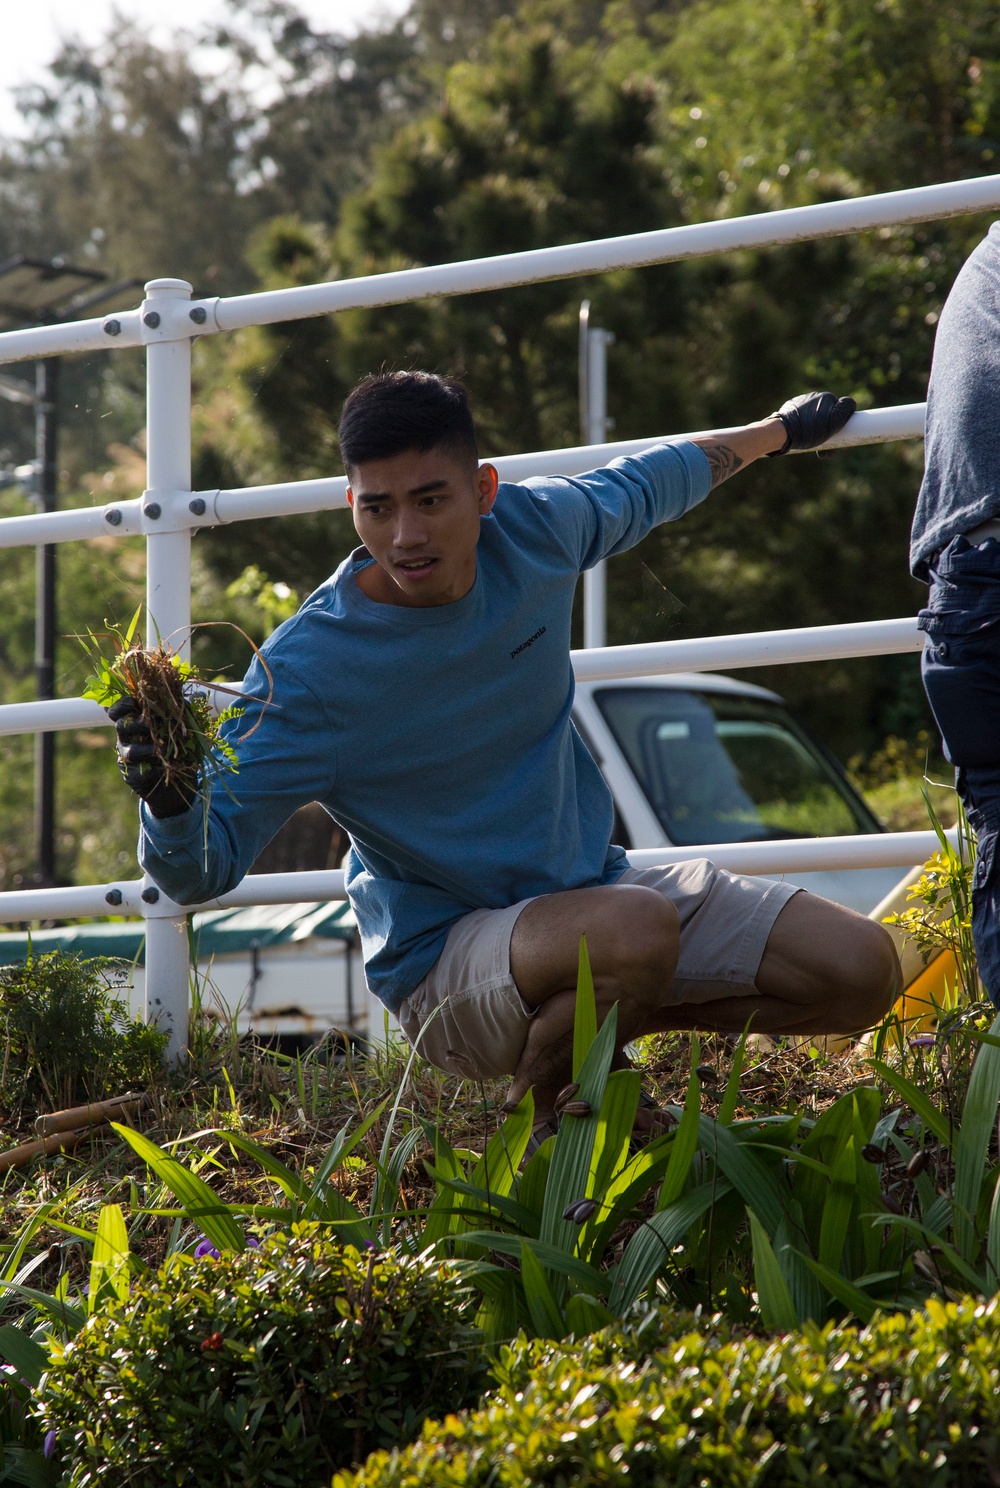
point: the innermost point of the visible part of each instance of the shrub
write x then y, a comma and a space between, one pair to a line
911, 1401
269, 1367
69, 1034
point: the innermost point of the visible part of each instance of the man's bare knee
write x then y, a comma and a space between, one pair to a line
871, 972
638, 953
835, 970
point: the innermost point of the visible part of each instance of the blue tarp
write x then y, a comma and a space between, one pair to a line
219, 932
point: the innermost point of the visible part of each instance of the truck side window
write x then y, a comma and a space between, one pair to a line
718, 767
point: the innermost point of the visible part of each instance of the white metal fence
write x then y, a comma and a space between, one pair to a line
168, 511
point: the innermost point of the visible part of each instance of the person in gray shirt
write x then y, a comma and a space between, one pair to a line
955, 549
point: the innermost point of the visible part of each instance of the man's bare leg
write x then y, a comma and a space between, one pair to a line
631, 936
825, 969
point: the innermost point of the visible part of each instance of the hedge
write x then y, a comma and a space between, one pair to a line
271, 1367
911, 1401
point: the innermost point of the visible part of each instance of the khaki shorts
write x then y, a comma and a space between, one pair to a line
468, 1018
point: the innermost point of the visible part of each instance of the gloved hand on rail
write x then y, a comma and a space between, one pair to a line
811, 419
142, 767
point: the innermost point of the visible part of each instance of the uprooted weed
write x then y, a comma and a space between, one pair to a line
173, 702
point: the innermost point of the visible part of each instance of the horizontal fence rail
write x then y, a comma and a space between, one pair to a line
504, 271
295, 498
753, 649
794, 855
600, 664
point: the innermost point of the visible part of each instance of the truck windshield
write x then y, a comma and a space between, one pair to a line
722, 768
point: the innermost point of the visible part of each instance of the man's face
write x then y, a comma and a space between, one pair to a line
418, 515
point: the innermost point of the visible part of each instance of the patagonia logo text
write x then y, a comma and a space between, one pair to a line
529, 642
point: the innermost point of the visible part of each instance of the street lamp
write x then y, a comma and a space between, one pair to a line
43, 291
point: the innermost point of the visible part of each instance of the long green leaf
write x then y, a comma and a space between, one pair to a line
865, 1236
585, 1017
629, 1186
497, 1169
753, 1180
337, 1154
837, 1209
979, 1116
993, 1237
570, 1171
845, 1291
26, 1466
776, 1306
20, 1350
686, 1136
444, 1216
109, 1265
790, 1253
385, 1193
68, 1315
811, 1184
951, 1260
648, 1251
485, 1205
732, 1092
546, 1317
557, 1262
290, 1183
614, 1129
200, 1202
915, 1098
25, 1235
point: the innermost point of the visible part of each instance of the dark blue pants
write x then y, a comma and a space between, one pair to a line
961, 672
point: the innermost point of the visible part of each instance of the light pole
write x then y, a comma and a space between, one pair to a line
594, 427
41, 291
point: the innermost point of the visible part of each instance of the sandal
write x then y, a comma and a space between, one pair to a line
661, 1121
540, 1132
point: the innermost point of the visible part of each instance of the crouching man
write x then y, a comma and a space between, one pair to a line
423, 696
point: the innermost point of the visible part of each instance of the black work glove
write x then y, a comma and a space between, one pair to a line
140, 767
811, 419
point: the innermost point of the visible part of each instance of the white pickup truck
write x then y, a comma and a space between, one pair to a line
696, 758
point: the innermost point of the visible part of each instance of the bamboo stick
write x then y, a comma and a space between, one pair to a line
19, 1157
93, 1114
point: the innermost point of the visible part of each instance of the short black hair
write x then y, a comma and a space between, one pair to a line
389, 413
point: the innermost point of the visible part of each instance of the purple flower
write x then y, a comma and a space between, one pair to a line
50, 1444
205, 1247
923, 1041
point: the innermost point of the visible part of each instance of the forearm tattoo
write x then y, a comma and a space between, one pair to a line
723, 462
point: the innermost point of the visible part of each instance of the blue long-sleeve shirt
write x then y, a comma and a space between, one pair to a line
439, 737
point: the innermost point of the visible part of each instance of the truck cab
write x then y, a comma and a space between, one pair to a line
694, 759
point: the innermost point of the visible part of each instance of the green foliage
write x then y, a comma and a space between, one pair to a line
783, 1218
319, 1201
68, 1035
275, 600
778, 1218
941, 916
910, 1401
270, 1367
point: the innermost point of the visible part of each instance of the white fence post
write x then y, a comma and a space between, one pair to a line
594, 428
166, 522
